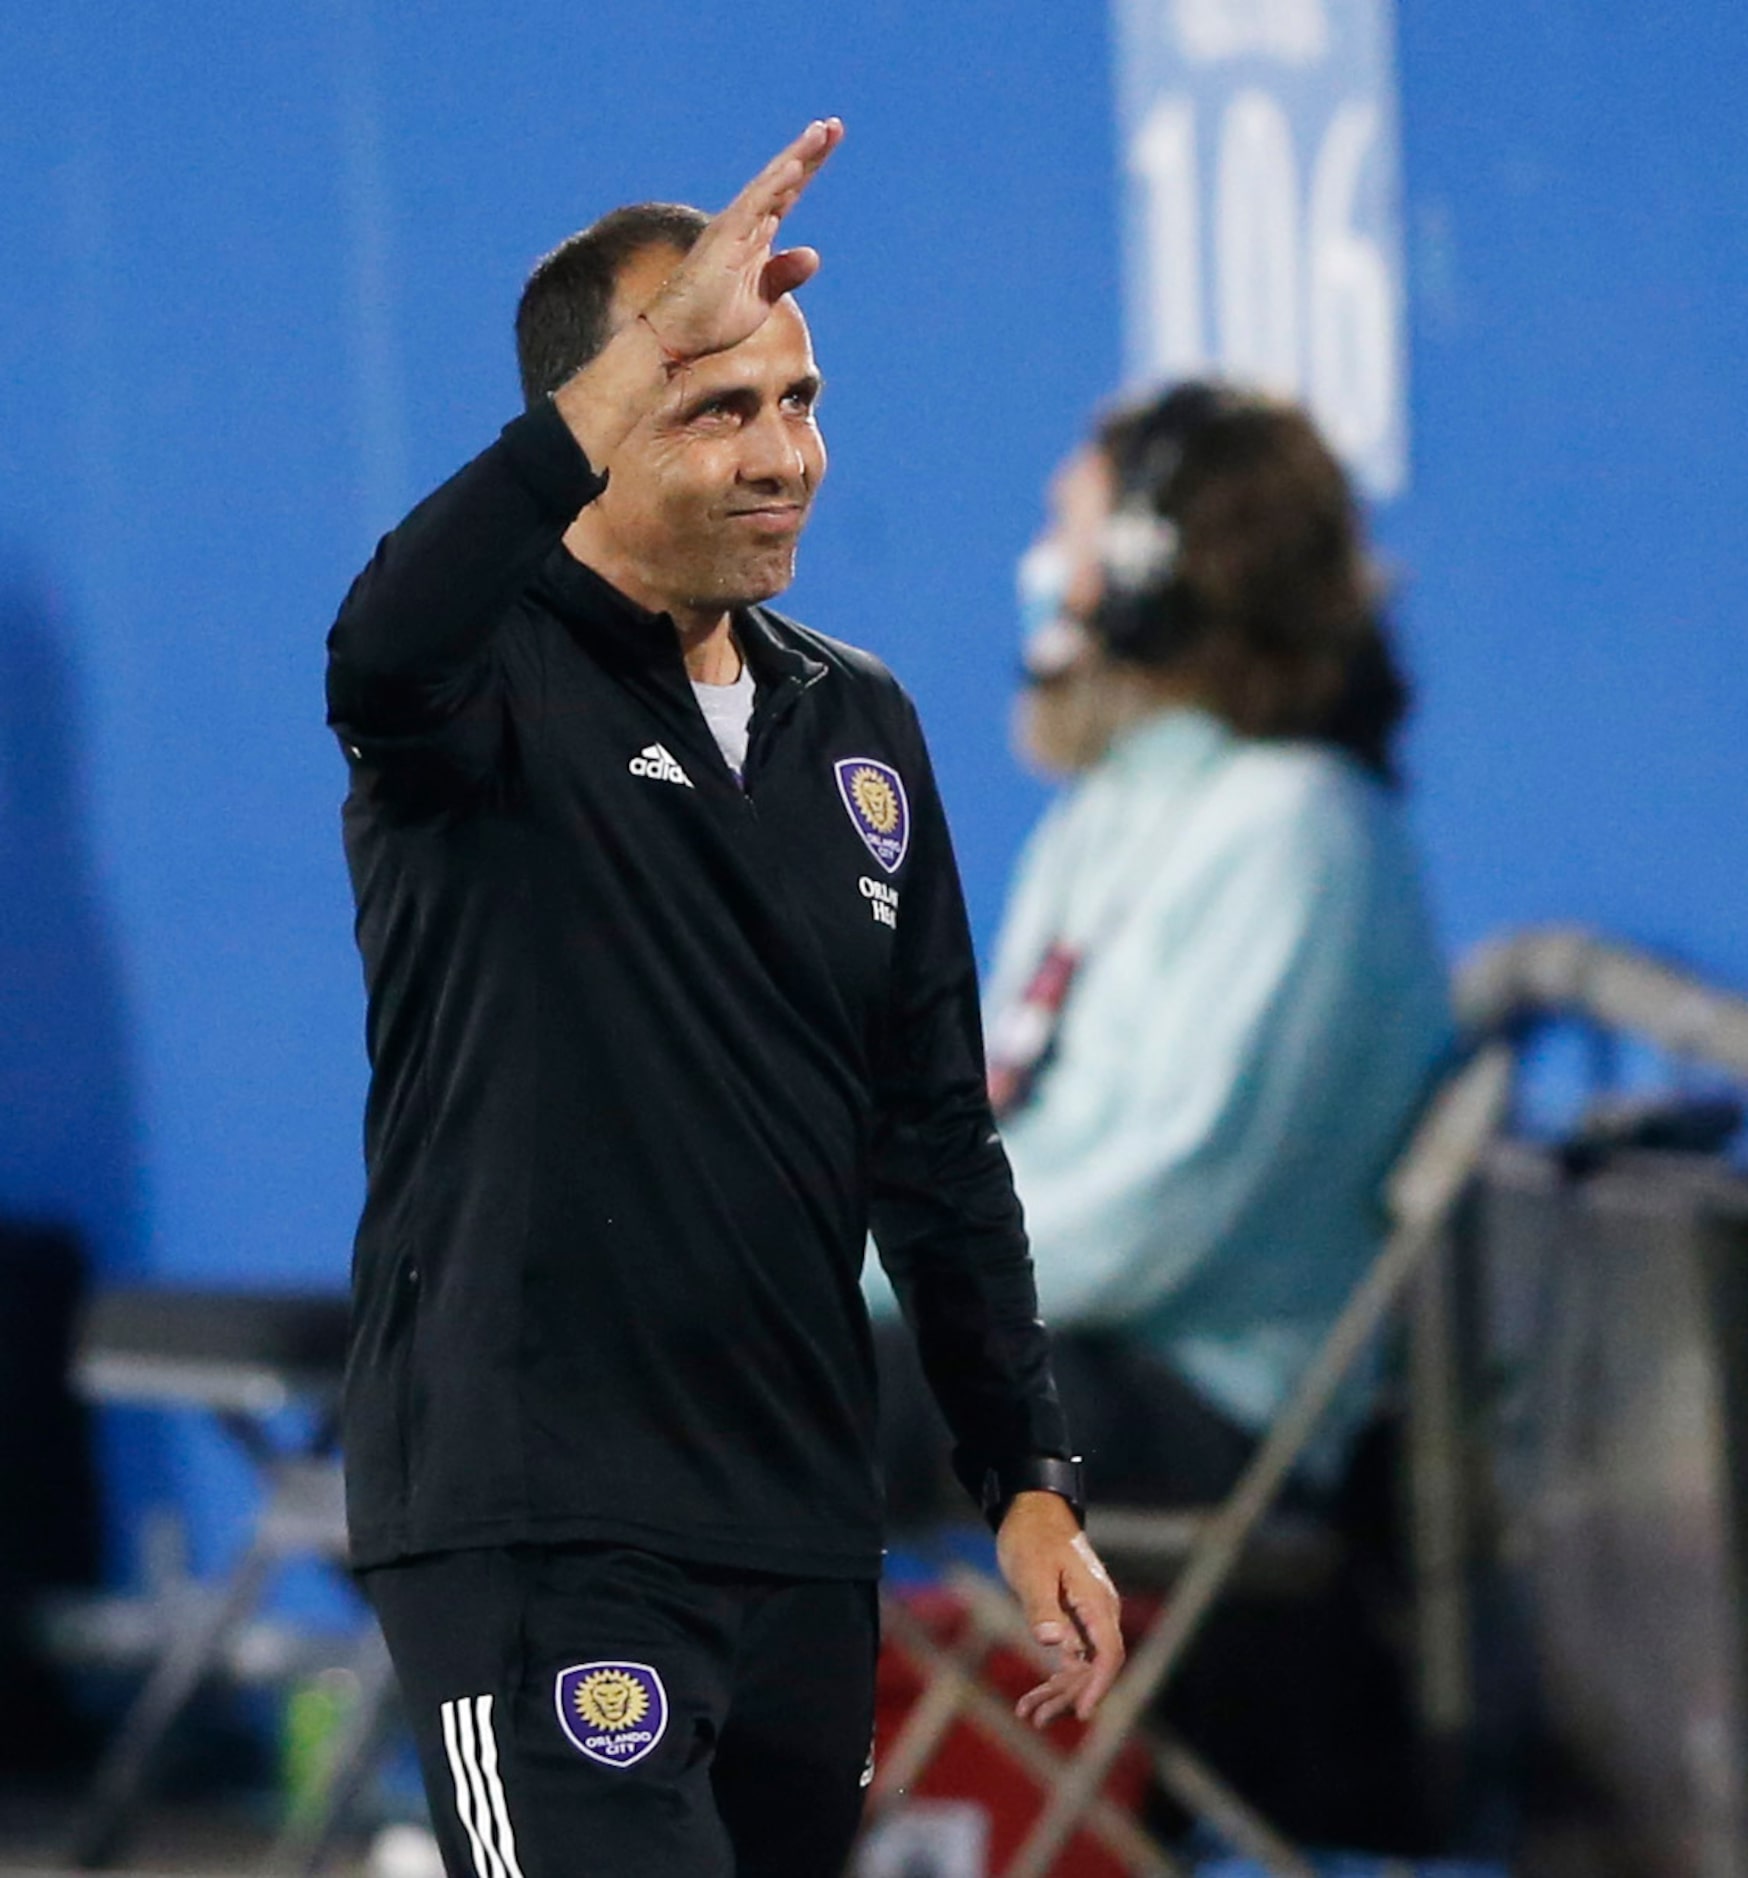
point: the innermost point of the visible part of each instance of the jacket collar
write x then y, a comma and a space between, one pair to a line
600, 614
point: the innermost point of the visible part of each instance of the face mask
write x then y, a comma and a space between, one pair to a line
1050, 642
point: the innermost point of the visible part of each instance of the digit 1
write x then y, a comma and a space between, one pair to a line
1162, 158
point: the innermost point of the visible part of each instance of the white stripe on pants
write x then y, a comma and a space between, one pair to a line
471, 1743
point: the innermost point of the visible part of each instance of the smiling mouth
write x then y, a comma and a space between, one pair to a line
776, 519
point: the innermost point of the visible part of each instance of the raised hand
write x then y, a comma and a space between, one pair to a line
718, 295
723, 291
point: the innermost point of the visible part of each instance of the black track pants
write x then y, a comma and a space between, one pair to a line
587, 1710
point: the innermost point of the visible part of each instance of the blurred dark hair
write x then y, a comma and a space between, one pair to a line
1274, 608
562, 318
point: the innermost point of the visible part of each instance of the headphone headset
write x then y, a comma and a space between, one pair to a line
1146, 615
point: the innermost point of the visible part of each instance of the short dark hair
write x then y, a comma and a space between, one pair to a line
562, 318
1284, 606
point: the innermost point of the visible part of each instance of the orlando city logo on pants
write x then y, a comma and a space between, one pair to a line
614, 1713
874, 795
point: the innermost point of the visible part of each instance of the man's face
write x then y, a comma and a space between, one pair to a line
708, 496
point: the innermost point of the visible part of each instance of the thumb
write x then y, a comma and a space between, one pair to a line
1039, 1594
784, 272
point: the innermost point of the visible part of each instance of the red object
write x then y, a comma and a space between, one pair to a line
971, 1765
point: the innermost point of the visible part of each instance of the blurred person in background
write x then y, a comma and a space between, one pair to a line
1215, 1010
1217, 1002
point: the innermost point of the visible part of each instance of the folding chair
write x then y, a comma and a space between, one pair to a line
244, 1358
1429, 1182
1538, 973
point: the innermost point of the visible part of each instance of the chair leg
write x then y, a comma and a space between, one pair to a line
1447, 1148
307, 1838
1194, 1784
195, 1646
1121, 1836
1446, 1696
1183, 1773
939, 1706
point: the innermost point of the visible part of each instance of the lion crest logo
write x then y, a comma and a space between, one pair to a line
873, 794
614, 1713
611, 1699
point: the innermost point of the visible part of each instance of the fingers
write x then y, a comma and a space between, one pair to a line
1076, 1615
1091, 1598
810, 150
1104, 1664
778, 186
725, 288
794, 168
1043, 1599
1053, 1698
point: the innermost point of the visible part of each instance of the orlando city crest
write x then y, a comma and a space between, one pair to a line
614, 1713
874, 795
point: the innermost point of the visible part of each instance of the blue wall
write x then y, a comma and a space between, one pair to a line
260, 269
1574, 543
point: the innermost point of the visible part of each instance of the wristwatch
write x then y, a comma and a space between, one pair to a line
1037, 1473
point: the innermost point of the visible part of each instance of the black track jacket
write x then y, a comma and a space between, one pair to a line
650, 1053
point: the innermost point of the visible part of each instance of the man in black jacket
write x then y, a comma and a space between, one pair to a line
671, 999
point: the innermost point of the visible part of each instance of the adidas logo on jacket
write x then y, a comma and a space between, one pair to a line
655, 763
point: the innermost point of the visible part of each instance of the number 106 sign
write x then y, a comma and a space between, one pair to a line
1262, 232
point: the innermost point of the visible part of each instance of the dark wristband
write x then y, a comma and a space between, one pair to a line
1037, 1473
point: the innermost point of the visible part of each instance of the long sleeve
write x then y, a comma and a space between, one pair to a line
1238, 1061
1133, 1195
945, 1219
408, 652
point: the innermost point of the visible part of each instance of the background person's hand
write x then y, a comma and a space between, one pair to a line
1070, 1606
724, 289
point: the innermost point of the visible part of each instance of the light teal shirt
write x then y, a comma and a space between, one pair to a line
1259, 1011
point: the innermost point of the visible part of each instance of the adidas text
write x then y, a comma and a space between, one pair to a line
655, 763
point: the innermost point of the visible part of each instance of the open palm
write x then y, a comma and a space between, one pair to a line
724, 290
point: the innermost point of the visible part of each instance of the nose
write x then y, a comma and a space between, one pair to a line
774, 454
